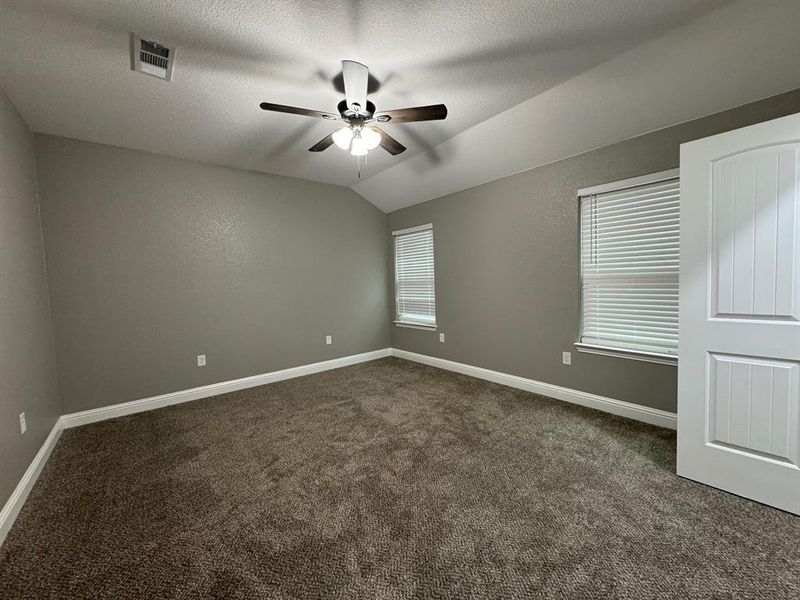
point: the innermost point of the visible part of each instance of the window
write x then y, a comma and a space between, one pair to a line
413, 276
629, 267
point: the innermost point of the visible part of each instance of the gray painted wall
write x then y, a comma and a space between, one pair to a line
154, 260
507, 270
27, 367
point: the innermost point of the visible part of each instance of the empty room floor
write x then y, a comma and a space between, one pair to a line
387, 479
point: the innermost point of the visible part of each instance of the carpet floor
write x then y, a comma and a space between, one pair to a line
388, 480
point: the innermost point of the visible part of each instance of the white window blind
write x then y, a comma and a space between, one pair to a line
629, 266
414, 278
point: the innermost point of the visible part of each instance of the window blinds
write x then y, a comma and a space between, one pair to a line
414, 283
629, 266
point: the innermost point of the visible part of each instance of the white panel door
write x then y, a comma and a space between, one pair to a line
739, 366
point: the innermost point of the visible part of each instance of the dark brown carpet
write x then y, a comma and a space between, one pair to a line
386, 480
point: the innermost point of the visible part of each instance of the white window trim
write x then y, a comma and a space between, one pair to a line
413, 229
663, 359
410, 324
624, 184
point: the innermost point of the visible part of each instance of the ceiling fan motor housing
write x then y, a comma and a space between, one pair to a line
351, 116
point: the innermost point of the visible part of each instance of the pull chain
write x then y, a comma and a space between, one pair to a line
366, 162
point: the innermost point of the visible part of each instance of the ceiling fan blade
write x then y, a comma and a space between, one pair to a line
323, 144
435, 112
356, 80
293, 110
388, 143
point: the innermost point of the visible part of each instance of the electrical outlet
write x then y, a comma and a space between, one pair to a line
566, 358
328, 339
23, 426
441, 337
201, 360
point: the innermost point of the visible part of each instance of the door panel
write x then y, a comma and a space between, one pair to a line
739, 366
753, 405
754, 232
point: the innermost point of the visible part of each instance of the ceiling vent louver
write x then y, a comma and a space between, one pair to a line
152, 58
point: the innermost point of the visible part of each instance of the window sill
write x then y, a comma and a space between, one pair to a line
660, 359
415, 325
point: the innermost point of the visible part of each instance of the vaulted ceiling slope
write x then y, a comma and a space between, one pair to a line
526, 82
735, 55
65, 64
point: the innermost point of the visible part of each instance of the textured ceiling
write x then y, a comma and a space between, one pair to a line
737, 54
65, 65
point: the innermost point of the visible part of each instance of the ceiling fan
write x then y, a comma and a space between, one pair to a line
361, 133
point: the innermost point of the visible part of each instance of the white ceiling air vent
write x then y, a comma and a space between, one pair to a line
152, 58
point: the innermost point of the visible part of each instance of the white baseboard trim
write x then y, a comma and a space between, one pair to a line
20, 494
136, 406
653, 416
14, 504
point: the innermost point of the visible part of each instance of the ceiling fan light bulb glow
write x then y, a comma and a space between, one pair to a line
371, 138
342, 137
359, 148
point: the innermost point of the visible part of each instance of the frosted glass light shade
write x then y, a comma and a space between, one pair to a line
342, 137
371, 138
359, 148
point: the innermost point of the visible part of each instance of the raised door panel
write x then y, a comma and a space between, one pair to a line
753, 406
755, 247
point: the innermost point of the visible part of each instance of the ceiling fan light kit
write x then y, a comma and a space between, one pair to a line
371, 137
358, 139
361, 133
342, 137
358, 147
